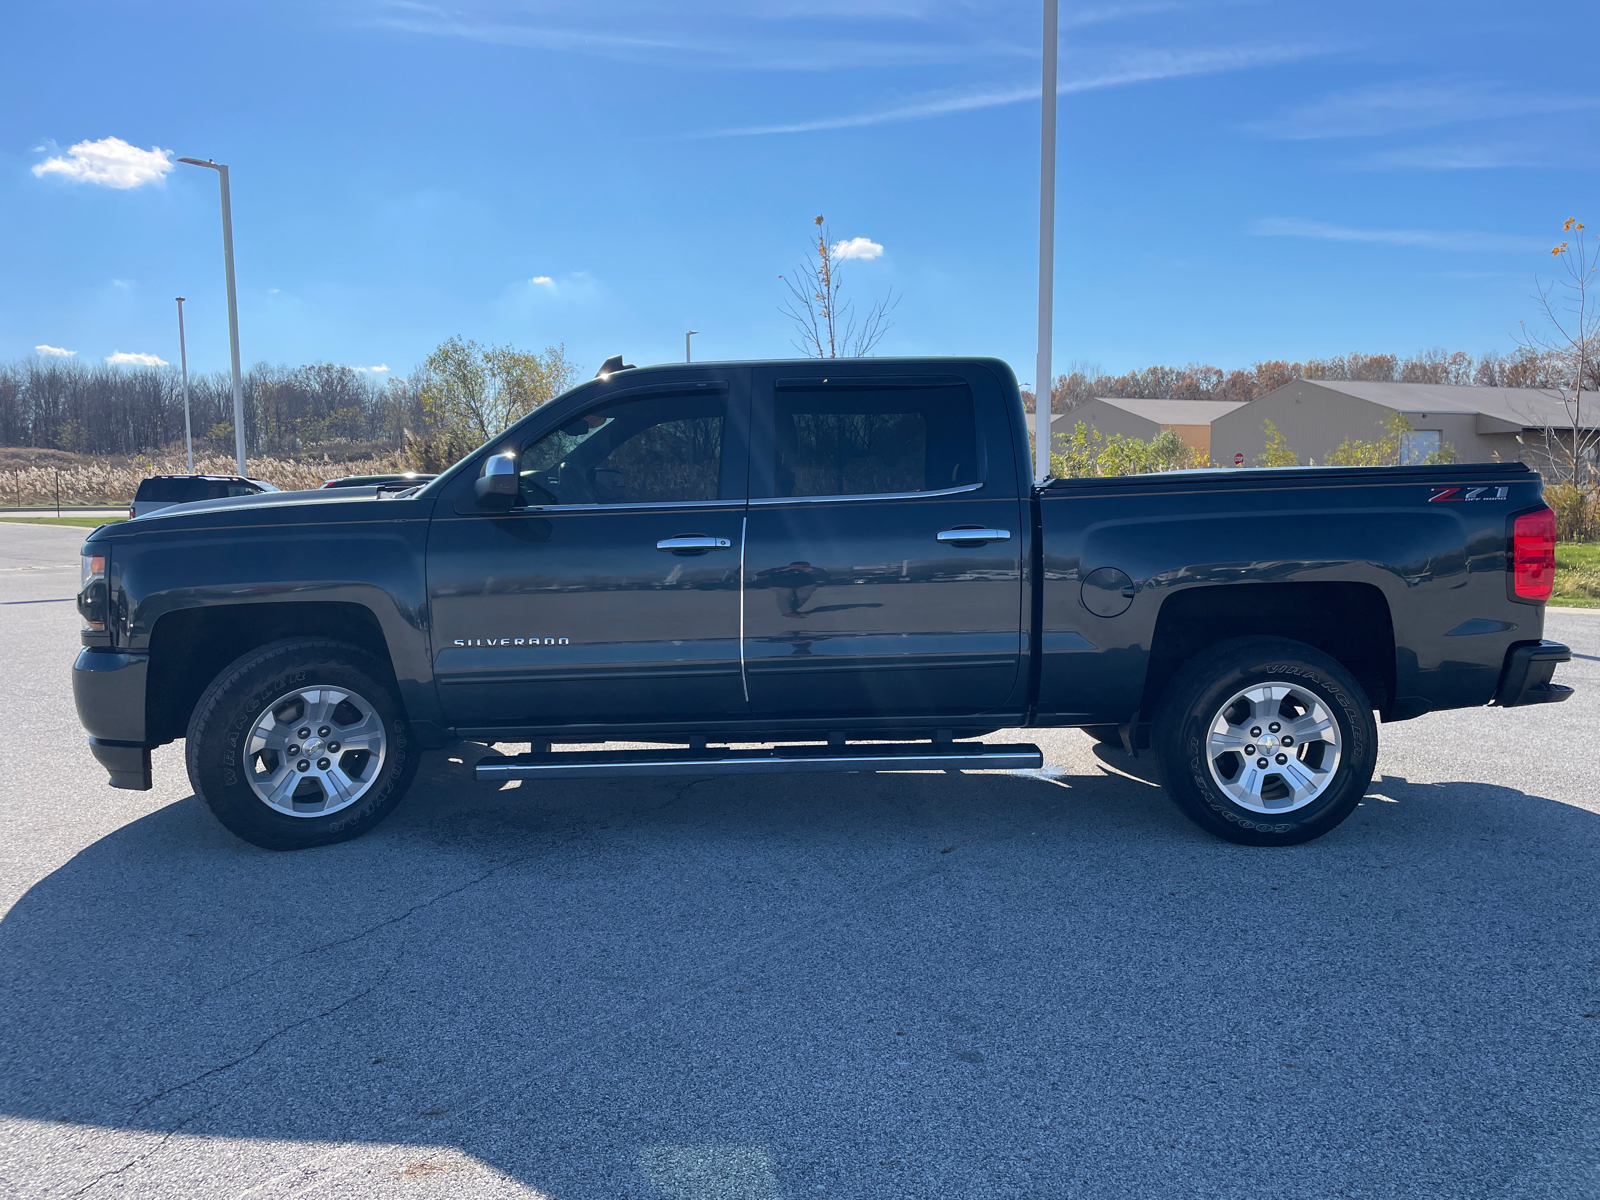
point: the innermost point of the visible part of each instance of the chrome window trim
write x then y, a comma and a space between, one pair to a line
652, 504
744, 674
955, 491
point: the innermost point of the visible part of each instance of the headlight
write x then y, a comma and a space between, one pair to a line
93, 597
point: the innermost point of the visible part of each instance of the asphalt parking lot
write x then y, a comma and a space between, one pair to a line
915, 985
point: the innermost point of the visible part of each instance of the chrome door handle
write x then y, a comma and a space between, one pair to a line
693, 543
974, 535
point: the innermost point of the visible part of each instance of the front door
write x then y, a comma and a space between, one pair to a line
862, 599
610, 593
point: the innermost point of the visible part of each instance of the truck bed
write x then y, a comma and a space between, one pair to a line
1136, 568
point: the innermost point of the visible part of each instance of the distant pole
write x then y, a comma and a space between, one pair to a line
183, 361
233, 304
1047, 244
58, 491
688, 357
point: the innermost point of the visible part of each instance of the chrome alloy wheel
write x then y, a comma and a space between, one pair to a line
1273, 748
314, 751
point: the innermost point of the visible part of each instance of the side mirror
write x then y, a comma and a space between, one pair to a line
496, 488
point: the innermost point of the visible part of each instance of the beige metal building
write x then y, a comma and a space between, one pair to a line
1483, 424
1144, 419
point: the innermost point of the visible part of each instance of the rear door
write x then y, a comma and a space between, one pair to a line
862, 597
610, 594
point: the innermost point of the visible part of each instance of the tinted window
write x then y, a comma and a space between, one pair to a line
659, 450
187, 491
172, 491
844, 442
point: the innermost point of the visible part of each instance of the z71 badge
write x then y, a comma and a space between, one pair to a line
1468, 493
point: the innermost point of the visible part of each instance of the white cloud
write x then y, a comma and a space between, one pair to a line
380, 369
124, 359
54, 352
543, 281
857, 247
1429, 239
1147, 66
110, 162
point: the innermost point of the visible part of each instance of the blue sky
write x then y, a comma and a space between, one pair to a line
1237, 180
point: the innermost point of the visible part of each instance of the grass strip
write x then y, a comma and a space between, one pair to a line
1577, 575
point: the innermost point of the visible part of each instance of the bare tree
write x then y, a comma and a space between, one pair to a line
826, 322
1569, 350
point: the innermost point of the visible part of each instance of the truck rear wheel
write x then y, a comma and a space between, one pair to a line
1266, 742
300, 743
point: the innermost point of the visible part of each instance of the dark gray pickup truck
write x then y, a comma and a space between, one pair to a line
808, 566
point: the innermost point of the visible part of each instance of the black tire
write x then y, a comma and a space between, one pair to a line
220, 729
1196, 697
1106, 735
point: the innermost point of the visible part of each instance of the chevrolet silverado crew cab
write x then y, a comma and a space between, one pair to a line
824, 565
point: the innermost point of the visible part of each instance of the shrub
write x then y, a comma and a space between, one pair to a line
1577, 512
1089, 452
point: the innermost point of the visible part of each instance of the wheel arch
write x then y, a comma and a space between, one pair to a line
1349, 622
189, 647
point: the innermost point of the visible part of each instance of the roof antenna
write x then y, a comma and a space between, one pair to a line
611, 366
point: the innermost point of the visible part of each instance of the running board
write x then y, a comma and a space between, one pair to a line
903, 756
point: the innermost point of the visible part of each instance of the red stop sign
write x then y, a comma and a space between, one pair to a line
1238, 460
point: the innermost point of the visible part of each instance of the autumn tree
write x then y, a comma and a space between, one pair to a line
1568, 349
483, 389
1277, 452
469, 393
825, 322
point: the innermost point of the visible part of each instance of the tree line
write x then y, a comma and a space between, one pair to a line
106, 410
463, 394
1527, 367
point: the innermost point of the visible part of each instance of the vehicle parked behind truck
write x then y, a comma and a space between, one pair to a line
156, 492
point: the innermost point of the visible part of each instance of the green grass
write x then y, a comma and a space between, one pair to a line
80, 522
1577, 575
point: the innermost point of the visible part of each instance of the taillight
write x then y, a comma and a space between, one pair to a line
93, 599
1533, 555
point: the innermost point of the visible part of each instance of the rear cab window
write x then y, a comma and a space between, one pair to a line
864, 438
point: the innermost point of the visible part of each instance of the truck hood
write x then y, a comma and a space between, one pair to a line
319, 504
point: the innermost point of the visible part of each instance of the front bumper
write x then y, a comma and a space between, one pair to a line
129, 766
109, 690
1525, 679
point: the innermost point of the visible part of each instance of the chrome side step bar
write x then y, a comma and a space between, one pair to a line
901, 756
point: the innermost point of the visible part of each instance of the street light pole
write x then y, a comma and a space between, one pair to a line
233, 303
687, 357
183, 365
1047, 244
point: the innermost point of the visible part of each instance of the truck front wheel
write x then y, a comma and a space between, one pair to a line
1266, 741
300, 743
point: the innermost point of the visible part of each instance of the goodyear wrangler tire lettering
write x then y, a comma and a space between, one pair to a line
1258, 690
